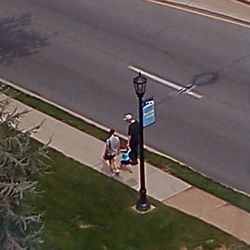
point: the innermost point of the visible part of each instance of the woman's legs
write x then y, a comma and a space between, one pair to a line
113, 167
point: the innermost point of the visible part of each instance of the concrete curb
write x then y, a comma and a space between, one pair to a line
206, 8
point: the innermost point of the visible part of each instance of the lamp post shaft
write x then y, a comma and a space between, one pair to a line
142, 204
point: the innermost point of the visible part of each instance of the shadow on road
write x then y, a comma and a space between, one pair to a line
17, 40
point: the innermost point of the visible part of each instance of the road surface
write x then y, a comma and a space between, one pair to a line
77, 53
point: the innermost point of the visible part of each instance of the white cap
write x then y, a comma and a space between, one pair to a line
128, 117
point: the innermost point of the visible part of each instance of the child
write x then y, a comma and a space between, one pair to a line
125, 160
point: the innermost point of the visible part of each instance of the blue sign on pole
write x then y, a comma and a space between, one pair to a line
148, 112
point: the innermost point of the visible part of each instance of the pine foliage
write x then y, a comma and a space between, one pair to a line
20, 164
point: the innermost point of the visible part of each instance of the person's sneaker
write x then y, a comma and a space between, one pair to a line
117, 172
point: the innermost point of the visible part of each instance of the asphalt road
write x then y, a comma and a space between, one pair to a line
76, 53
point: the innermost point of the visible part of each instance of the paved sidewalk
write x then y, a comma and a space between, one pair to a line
160, 185
233, 10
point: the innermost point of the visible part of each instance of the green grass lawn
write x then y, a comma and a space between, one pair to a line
87, 210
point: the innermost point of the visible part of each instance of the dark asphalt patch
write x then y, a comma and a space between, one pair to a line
205, 78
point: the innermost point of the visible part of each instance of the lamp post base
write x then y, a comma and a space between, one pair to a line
142, 204
142, 207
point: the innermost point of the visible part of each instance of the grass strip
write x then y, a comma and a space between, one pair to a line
183, 172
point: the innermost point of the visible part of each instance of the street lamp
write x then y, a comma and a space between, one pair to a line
140, 87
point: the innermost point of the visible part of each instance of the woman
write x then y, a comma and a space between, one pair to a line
112, 149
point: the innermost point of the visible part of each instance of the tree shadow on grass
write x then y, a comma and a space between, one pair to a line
17, 40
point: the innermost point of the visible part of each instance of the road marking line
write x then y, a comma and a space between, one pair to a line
165, 82
202, 12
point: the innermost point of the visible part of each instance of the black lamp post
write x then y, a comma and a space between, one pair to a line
140, 87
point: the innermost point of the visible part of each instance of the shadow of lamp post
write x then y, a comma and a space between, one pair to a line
140, 87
